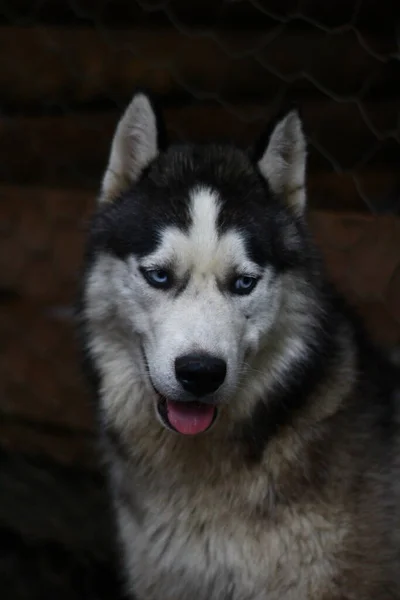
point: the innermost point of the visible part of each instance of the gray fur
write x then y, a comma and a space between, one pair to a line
292, 494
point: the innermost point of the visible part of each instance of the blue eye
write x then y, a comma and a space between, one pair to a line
243, 285
158, 278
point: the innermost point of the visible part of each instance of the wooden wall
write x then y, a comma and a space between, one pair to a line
67, 69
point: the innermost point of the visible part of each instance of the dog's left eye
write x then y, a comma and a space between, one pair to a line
158, 278
243, 285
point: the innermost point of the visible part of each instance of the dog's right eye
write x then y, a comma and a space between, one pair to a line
158, 278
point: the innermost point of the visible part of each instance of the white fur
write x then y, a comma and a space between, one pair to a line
134, 146
199, 318
203, 317
172, 560
203, 537
283, 163
200, 538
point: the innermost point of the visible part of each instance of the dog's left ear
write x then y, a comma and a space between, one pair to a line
136, 143
281, 159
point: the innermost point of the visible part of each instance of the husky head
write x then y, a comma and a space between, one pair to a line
192, 272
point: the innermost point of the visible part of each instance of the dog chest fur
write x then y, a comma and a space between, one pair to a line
226, 538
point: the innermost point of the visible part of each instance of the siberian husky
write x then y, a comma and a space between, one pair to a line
251, 431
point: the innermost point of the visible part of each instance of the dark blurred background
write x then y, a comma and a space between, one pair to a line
221, 67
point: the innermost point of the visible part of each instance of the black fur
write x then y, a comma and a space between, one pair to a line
377, 379
132, 223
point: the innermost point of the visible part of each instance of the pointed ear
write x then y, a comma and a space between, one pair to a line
136, 143
282, 161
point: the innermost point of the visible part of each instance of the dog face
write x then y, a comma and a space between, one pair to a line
191, 256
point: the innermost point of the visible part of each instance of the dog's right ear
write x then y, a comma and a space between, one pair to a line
137, 141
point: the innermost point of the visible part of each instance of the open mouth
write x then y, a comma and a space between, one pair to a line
187, 418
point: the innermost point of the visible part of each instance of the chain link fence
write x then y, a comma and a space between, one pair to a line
221, 67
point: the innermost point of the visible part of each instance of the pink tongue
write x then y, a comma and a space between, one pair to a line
190, 418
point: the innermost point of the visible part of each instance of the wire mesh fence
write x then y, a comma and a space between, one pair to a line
68, 67
222, 68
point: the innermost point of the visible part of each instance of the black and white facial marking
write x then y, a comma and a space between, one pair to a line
187, 257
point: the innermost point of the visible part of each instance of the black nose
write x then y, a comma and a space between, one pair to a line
200, 374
